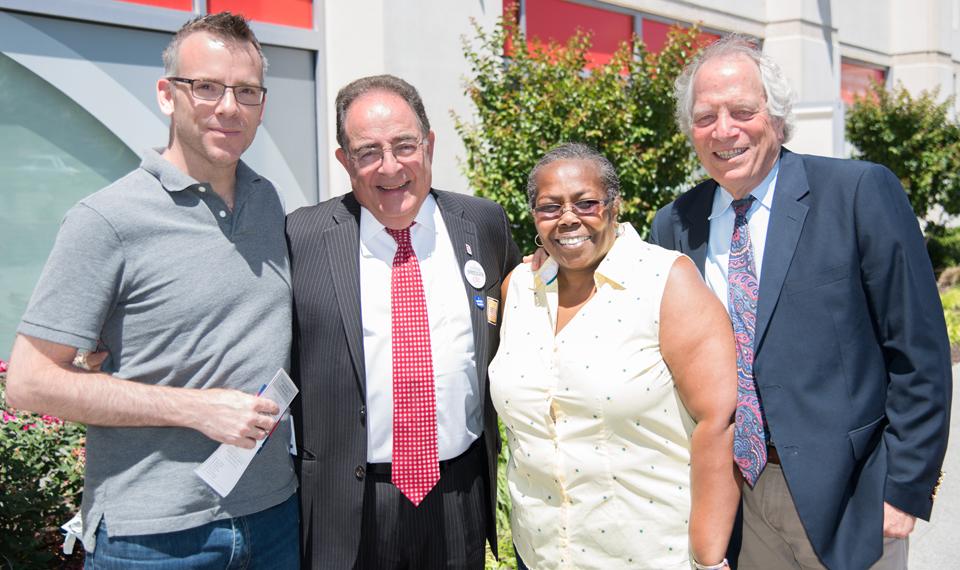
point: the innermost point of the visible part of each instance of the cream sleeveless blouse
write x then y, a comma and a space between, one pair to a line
606, 484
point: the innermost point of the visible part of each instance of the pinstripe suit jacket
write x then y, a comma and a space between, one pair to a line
328, 359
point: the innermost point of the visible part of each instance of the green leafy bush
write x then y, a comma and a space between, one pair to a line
916, 138
943, 245
536, 98
951, 312
508, 560
41, 480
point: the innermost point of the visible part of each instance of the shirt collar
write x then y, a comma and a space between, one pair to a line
175, 180
613, 268
370, 226
763, 194
171, 178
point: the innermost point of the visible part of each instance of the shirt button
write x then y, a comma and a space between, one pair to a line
223, 214
359, 472
202, 189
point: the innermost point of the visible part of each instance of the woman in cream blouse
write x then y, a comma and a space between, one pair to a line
616, 379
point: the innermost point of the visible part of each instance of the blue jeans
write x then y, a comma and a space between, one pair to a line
268, 539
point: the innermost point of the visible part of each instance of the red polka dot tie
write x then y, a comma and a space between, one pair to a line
416, 466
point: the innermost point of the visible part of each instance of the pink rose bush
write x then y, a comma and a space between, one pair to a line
41, 481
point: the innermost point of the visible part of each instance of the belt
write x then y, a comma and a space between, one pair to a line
772, 455
385, 468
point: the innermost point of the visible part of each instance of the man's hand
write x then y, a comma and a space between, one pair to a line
233, 417
95, 360
896, 523
536, 259
90, 360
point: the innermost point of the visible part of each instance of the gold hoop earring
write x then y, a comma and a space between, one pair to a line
536, 240
620, 230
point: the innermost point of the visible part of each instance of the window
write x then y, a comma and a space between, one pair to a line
654, 35
52, 154
558, 21
855, 79
297, 13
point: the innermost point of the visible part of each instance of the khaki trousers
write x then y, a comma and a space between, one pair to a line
774, 537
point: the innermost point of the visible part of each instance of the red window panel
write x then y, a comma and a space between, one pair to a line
855, 79
655, 36
511, 9
296, 13
557, 20
184, 5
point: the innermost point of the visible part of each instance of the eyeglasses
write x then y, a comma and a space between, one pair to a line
212, 91
402, 151
581, 208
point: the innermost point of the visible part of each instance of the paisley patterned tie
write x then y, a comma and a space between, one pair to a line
416, 467
749, 444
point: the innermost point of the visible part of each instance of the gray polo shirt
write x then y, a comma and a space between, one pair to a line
183, 292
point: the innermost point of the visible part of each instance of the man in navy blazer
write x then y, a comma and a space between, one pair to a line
851, 357
342, 261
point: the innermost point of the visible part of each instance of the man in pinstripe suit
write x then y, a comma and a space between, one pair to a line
352, 515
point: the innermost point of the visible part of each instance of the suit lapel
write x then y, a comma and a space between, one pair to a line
463, 233
783, 232
694, 241
342, 243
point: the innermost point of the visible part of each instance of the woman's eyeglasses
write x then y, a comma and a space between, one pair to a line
580, 208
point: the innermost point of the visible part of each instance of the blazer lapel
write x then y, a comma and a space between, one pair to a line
463, 233
342, 243
783, 232
694, 241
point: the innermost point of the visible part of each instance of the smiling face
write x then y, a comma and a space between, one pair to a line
208, 137
393, 191
577, 243
734, 136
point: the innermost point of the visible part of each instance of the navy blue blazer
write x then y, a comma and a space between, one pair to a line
852, 360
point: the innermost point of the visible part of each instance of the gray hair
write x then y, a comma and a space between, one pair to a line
224, 25
378, 84
576, 151
778, 91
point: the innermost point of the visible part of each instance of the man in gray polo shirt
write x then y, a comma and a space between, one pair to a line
180, 271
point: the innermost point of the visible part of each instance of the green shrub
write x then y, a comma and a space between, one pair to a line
916, 138
943, 245
951, 312
41, 480
508, 560
540, 97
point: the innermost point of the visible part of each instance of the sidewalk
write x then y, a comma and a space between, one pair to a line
936, 544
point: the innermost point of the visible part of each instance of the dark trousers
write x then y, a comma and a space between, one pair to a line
447, 529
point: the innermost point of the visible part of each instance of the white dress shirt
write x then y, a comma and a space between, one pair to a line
722, 218
459, 418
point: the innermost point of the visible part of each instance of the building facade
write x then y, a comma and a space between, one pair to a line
78, 83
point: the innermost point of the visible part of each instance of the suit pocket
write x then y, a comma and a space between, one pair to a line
861, 438
818, 279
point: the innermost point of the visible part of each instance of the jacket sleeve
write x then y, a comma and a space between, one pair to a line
908, 319
661, 230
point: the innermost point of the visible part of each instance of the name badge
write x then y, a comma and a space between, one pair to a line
492, 305
475, 274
